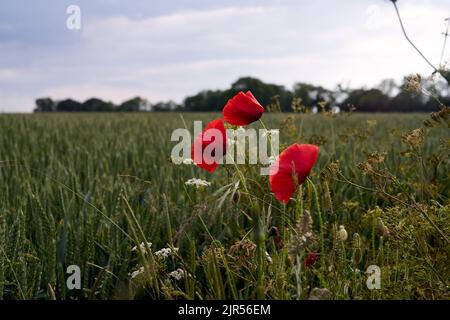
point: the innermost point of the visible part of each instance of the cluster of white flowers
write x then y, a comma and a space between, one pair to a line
136, 273
177, 274
178, 161
188, 161
142, 246
306, 236
165, 252
273, 132
357, 271
198, 183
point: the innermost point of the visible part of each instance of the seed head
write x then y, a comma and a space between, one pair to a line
342, 233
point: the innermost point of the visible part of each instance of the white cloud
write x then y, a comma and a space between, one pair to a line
245, 30
261, 40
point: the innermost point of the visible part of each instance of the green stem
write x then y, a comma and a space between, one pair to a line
260, 255
319, 215
258, 235
414, 206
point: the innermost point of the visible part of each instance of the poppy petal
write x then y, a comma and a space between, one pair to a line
297, 160
202, 141
242, 109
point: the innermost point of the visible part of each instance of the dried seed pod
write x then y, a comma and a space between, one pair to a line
320, 294
381, 230
306, 223
277, 239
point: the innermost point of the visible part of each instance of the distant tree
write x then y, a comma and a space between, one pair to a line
97, 105
312, 95
134, 105
205, 101
68, 105
45, 105
372, 100
263, 91
386, 97
165, 106
215, 100
407, 101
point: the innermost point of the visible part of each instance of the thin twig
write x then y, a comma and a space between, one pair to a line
445, 41
394, 2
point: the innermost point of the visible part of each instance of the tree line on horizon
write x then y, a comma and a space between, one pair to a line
388, 96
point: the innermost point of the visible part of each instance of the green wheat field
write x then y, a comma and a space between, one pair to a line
100, 191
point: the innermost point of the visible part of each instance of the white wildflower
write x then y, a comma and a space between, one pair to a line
177, 160
165, 252
357, 271
188, 161
177, 274
198, 183
142, 246
136, 273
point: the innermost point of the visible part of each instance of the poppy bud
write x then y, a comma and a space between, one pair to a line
320, 294
277, 239
342, 233
381, 229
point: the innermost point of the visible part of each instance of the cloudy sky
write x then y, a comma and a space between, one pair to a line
167, 49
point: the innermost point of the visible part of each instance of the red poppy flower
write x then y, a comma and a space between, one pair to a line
242, 109
311, 259
297, 160
208, 140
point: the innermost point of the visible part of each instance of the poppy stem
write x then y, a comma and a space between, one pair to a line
266, 131
299, 205
258, 235
260, 255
